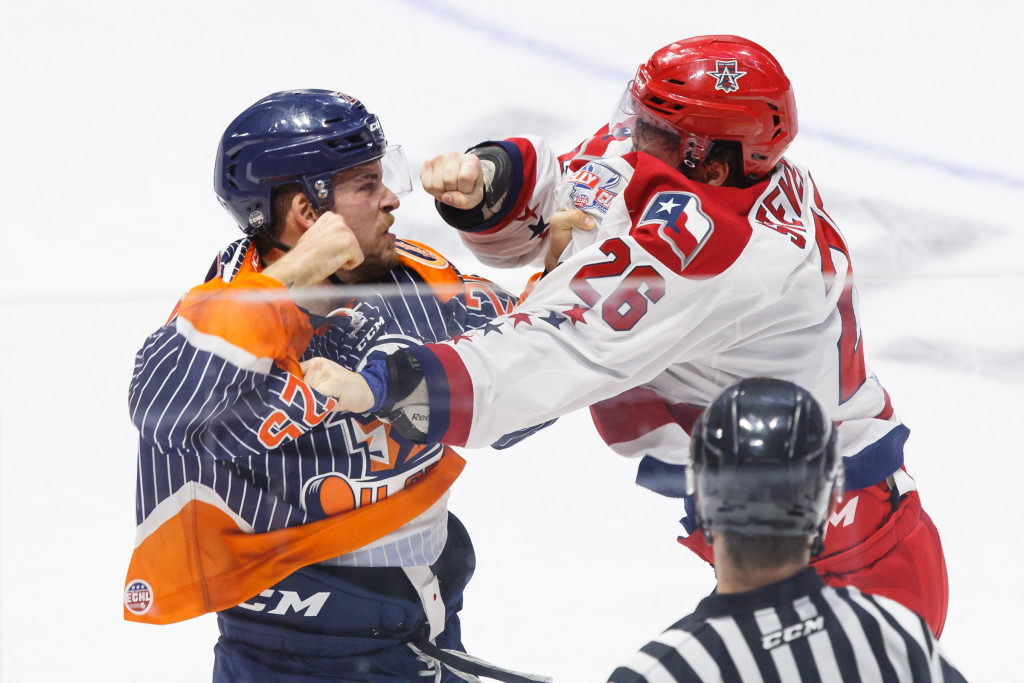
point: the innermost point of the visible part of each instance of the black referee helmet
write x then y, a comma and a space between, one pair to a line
764, 462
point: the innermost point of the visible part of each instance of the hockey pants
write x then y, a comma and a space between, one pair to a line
343, 624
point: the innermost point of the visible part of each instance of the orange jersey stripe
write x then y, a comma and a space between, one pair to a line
435, 269
201, 561
253, 314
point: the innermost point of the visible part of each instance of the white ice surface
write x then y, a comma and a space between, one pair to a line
110, 116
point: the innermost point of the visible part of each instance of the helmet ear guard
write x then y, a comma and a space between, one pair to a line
319, 189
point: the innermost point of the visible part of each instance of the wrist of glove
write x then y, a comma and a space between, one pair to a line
400, 394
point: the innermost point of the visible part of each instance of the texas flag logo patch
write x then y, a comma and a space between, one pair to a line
678, 222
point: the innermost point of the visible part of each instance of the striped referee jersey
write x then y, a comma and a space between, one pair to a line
794, 630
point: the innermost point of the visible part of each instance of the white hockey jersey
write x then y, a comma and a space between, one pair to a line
681, 290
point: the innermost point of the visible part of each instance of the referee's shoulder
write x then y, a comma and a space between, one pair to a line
901, 616
921, 649
648, 664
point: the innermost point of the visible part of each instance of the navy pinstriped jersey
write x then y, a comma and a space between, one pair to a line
264, 442
794, 630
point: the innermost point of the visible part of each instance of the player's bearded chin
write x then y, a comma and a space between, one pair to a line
385, 258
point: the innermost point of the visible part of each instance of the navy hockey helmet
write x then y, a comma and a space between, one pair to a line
295, 136
764, 462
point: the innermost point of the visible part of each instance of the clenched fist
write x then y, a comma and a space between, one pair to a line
348, 388
455, 179
327, 246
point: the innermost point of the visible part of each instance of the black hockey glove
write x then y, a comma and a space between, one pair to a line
406, 407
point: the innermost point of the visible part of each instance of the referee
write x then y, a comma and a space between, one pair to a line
766, 477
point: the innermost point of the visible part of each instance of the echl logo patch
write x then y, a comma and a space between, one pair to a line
138, 597
727, 74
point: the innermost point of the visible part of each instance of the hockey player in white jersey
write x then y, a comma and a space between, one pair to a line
713, 259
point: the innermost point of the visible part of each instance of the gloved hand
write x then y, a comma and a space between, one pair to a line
454, 179
406, 404
469, 188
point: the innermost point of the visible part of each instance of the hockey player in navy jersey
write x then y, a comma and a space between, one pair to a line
766, 476
709, 257
321, 538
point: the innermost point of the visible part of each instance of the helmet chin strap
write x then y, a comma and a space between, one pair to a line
276, 243
818, 544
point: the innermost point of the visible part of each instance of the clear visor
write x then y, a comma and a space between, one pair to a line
395, 170
653, 134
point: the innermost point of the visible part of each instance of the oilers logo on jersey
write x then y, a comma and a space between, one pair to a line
379, 464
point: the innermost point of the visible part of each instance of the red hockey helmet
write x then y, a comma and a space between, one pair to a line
720, 88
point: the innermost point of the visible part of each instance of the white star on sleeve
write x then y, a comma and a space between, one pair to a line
667, 206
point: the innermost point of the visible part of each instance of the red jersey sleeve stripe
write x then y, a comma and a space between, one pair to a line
450, 416
887, 410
